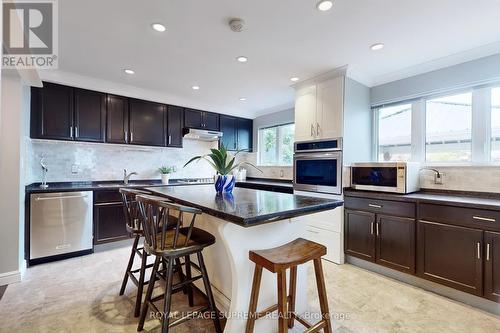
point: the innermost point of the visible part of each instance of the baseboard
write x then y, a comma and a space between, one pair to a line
10, 277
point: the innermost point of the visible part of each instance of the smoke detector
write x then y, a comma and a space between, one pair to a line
236, 24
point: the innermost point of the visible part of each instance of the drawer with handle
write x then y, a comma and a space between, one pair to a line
469, 217
396, 208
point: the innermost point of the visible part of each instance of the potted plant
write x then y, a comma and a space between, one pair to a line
223, 165
165, 173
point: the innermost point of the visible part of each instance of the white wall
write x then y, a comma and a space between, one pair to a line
481, 71
98, 161
13, 128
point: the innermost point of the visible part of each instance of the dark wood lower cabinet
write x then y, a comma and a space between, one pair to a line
451, 255
396, 242
492, 266
109, 219
359, 234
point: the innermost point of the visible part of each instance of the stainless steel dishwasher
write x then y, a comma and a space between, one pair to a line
60, 224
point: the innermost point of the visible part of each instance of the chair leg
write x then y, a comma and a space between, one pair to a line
129, 265
254, 298
282, 302
291, 293
210, 296
140, 284
187, 261
181, 274
149, 293
323, 300
167, 301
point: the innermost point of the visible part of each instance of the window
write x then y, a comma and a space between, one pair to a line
394, 133
449, 128
495, 124
276, 145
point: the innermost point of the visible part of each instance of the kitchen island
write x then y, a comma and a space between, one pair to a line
247, 220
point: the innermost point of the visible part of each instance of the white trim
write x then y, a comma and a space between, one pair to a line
481, 125
339, 71
10, 277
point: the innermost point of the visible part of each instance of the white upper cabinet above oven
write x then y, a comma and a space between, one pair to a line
319, 108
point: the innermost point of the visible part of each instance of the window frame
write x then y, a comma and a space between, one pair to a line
278, 140
481, 126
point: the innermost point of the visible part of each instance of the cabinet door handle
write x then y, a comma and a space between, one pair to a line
378, 230
169, 139
312, 130
71, 131
480, 218
131, 136
317, 129
374, 206
371, 227
76, 132
125, 133
478, 250
488, 252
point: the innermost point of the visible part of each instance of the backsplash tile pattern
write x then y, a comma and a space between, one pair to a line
464, 178
106, 161
278, 172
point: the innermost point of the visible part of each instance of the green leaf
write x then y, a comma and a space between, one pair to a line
192, 160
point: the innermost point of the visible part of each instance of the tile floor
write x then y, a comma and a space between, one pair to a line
81, 295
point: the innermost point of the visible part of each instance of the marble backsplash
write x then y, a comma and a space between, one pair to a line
273, 172
79, 161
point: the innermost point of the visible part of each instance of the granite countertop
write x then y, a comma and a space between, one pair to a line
246, 207
100, 185
265, 181
452, 198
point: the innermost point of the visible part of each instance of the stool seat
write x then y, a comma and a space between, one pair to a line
297, 252
198, 240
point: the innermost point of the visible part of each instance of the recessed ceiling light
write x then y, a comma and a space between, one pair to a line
294, 79
129, 71
243, 98
196, 87
376, 47
325, 5
242, 59
158, 27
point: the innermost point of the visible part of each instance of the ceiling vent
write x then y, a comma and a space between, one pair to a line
236, 24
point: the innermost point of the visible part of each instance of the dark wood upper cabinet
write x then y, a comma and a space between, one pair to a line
201, 119
117, 119
396, 243
360, 234
451, 255
211, 121
245, 134
228, 127
147, 123
52, 112
90, 116
492, 266
175, 117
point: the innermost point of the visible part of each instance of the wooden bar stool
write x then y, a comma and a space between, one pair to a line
133, 224
278, 260
169, 246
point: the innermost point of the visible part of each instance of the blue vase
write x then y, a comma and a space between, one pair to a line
224, 183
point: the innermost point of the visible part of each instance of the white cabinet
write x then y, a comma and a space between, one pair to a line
305, 114
319, 110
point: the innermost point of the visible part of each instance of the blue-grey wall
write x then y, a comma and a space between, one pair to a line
472, 73
357, 123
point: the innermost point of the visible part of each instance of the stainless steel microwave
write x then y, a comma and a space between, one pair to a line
395, 177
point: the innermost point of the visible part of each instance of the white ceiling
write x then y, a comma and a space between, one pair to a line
282, 38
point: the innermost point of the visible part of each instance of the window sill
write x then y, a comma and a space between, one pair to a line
274, 166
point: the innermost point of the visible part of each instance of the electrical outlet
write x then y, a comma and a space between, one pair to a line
438, 178
74, 169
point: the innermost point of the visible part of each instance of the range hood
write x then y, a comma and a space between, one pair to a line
202, 135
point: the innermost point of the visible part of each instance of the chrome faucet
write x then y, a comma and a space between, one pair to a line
126, 176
